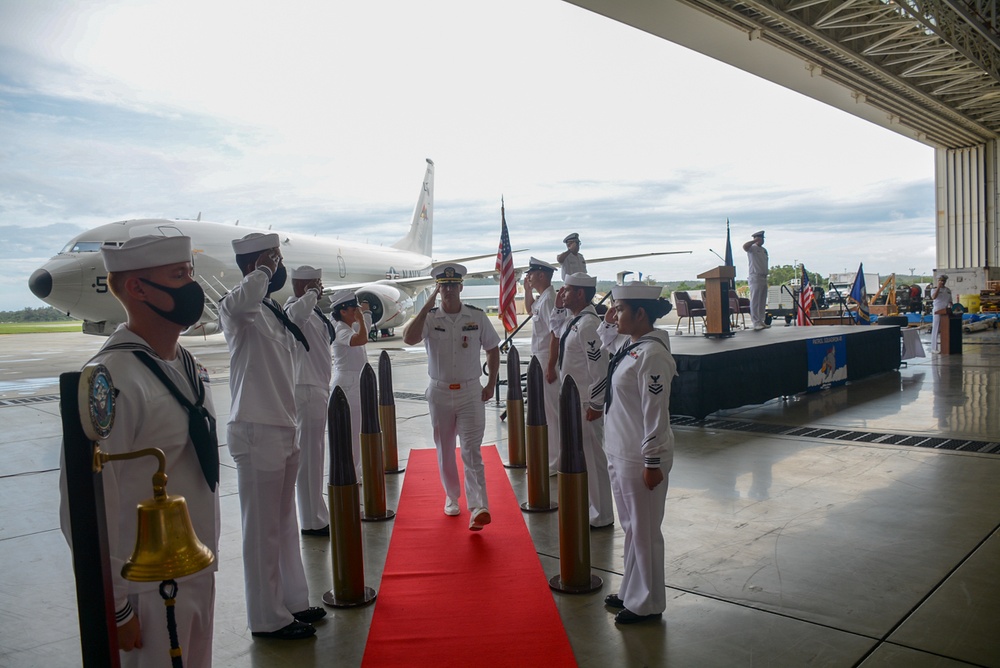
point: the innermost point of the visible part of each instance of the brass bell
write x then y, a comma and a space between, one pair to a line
166, 546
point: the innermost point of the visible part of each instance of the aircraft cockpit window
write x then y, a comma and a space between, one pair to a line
82, 247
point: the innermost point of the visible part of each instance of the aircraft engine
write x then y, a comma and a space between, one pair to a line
390, 306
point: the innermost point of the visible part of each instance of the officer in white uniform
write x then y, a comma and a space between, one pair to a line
577, 352
352, 322
639, 443
543, 310
313, 370
151, 277
757, 279
941, 294
571, 262
262, 343
453, 336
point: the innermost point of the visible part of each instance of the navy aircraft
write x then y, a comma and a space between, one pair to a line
394, 279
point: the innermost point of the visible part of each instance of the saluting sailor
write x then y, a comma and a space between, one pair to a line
453, 336
164, 401
313, 369
262, 342
352, 322
577, 352
543, 321
570, 261
639, 443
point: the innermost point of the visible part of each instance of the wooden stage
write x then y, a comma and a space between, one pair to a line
752, 367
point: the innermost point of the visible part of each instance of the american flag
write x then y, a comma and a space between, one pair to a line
805, 300
508, 286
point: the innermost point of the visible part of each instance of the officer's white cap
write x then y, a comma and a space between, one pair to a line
449, 272
255, 242
571, 237
307, 273
581, 280
342, 297
758, 233
535, 264
145, 252
636, 290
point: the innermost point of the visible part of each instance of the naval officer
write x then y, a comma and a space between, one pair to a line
577, 353
757, 279
262, 343
352, 322
313, 369
151, 277
639, 443
570, 260
453, 336
543, 321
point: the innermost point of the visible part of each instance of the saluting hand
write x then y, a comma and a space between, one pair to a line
611, 317
268, 259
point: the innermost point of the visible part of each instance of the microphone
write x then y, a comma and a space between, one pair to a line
717, 255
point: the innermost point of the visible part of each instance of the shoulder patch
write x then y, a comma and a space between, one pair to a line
655, 387
433, 310
474, 308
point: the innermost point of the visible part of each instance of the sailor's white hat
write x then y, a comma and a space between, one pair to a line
145, 252
536, 264
255, 242
449, 272
636, 290
342, 297
306, 273
581, 280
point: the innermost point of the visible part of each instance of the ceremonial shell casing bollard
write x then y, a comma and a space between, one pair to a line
372, 467
387, 414
515, 412
575, 576
346, 548
537, 433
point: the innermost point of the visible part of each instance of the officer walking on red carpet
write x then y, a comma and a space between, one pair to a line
453, 336
639, 443
312, 394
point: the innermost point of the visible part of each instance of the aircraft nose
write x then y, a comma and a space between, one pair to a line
40, 283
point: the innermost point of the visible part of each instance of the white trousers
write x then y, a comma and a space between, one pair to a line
310, 410
551, 418
758, 299
935, 332
640, 513
460, 414
602, 510
353, 392
267, 462
194, 609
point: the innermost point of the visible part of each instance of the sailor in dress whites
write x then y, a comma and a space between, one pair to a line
352, 322
313, 370
577, 352
571, 262
639, 443
941, 294
453, 336
151, 277
757, 279
262, 343
543, 311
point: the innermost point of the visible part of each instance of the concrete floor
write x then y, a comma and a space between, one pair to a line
781, 551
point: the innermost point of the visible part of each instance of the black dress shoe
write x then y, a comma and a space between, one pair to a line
612, 601
626, 616
325, 531
294, 631
310, 615
603, 526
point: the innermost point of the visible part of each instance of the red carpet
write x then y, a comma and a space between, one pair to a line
454, 597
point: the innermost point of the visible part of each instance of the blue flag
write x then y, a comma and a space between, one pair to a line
860, 295
729, 256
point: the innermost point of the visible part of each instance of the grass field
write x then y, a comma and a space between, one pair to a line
39, 327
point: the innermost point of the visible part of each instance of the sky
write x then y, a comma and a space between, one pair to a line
316, 116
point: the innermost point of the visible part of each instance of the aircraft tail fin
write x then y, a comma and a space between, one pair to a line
420, 237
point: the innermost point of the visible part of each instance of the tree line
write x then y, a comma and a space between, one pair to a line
41, 314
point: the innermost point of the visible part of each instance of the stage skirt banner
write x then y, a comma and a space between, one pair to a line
827, 362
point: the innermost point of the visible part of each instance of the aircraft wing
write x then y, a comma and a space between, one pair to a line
626, 257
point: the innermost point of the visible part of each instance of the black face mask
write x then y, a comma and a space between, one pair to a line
189, 302
278, 279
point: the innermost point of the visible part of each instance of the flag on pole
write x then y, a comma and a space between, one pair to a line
860, 295
729, 256
805, 300
508, 285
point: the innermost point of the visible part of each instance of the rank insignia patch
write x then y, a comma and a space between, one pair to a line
655, 386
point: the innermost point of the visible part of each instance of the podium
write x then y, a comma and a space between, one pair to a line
718, 282
951, 334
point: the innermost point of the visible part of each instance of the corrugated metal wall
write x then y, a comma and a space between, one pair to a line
967, 201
